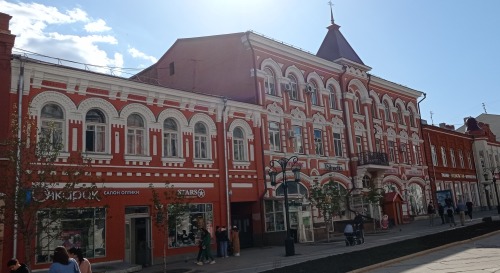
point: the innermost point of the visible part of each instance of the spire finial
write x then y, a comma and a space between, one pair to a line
331, 11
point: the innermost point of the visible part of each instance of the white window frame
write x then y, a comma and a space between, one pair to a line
98, 131
53, 127
452, 157
239, 147
294, 90
443, 156
136, 135
434, 155
201, 142
337, 144
171, 140
274, 136
298, 142
318, 142
270, 82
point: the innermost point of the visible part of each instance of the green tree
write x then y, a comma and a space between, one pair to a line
37, 186
170, 210
329, 199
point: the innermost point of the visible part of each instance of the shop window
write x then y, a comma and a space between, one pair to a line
275, 217
81, 228
186, 231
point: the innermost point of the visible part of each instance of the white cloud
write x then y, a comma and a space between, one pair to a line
97, 26
140, 55
61, 34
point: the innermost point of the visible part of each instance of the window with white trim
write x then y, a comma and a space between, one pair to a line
452, 157
357, 104
469, 159
404, 153
275, 216
170, 138
461, 158
270, 82
332, 98
416, 154
201, 141
239, 153
318, 141
412, 118
400, 115
136, 135
359, 144
52, 125
314, 94
392, 152
387, 111
95, 133
443, 156
298, 142
274, 136
434, 155
337, 144
294, 90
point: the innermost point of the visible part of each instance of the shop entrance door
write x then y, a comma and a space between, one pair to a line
306, 232
138, 239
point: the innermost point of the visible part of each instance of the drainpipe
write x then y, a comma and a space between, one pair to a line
425, 149
20, 85
226, 173
349, 152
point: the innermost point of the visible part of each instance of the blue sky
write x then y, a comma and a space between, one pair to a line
448, 49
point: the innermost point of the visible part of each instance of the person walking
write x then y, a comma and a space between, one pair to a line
217, 240
62, 263
83, 263
461, 211
469, 205
16, 267
431, 212
441, 213
359, 225
223, 241
235, 240
451, 218
205, 246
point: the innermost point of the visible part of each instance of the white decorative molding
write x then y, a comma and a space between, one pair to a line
244, 125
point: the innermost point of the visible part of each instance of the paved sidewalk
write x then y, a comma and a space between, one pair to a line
259, 259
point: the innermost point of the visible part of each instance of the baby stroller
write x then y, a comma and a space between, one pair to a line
353, 235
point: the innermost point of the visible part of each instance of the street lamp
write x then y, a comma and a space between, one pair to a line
494, 171
294, 165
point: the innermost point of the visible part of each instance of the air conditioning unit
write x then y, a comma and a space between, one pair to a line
286, 86
309, 88
291, 134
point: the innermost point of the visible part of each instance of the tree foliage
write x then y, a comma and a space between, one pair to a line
37, 186
329, 199
170, 210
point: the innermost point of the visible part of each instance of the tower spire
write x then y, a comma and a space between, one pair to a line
331, 11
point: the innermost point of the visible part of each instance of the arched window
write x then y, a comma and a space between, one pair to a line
294, 91
374, 109
136, 135
314, 94
239, 145
95, 132
170, 138
357, 104
412, 118
52, 125
294, 188
400, 115
270, 82
367, 182
332, 98
200, 141
416, 199
387, 111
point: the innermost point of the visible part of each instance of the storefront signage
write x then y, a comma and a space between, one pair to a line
199, 193
333, 168
121, 192
70, 195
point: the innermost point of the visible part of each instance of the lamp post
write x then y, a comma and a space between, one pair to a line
283, 163
494, 172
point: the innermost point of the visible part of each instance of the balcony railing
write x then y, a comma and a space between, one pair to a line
375, 158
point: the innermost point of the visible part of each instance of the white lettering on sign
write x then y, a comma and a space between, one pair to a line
121, 192
72, 196
200, 193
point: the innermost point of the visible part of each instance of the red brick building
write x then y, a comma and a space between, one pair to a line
136, 135
324, 108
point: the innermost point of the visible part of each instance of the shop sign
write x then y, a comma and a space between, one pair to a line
194, 193
333, 168
121, 192
71, 196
